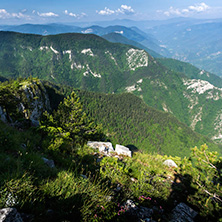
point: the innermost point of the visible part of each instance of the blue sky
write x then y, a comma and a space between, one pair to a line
47, 11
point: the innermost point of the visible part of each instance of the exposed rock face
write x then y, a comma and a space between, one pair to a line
30, 101
170, 163
105, 147
122, 150
183, 213
10, 215
37, 101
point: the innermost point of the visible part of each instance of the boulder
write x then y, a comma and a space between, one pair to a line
122, 150
139, 213
183, 213
10, 215
49, 163
170, 163
105, 147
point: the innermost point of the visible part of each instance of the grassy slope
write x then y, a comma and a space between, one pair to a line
61, 193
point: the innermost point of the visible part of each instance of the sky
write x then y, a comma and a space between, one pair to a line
68, 11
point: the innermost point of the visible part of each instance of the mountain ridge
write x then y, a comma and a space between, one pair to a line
90, 62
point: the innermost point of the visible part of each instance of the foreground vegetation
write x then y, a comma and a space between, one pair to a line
83, 186
81, 189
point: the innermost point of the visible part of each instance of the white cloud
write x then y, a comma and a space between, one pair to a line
197, 8
47, 14
70, 14
201, 7
78, 16
106, 11
6, 15
124, 9
172, 11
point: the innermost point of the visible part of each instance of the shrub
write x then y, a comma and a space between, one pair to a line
204, 170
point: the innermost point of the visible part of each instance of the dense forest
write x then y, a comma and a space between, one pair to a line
128, 120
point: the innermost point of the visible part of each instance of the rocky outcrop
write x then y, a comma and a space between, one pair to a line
183, 213
170, 163
122, 150
107, 148
37, 101
10, 215
27, 103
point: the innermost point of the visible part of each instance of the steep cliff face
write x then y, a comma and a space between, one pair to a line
25, 99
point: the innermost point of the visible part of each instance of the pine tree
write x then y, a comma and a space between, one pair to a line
69, 125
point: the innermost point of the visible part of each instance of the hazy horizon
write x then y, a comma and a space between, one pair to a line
44, 12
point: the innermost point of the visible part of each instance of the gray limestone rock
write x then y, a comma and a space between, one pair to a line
10, 215
170, 163
122, 150
105, 147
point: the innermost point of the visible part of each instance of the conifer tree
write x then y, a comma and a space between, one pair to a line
69, 125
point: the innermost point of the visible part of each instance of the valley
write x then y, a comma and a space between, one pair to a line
64, 87
91, 63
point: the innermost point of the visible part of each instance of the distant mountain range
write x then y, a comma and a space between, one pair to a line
118, 38
133, 34
197, 42
92, 63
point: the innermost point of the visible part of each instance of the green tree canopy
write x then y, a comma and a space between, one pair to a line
69, 125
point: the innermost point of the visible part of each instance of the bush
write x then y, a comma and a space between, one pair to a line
204, 170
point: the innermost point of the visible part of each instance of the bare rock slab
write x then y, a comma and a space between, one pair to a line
122, 150
105, 147
170, 163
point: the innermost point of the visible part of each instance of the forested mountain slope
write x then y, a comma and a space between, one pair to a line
126, 119
191, 71
90, 62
